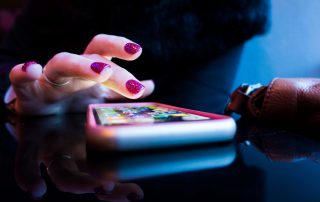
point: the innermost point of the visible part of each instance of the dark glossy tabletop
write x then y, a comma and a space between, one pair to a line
263, 163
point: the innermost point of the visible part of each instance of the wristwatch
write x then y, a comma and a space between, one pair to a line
239, 98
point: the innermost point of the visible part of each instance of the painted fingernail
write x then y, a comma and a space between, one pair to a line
132, 48
26, 65
134, 86
97, 67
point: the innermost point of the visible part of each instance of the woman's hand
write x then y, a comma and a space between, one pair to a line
69, 82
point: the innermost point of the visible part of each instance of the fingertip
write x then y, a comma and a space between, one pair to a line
136, 96
114, 46
105, 74
135, 88
28, 71
149, 84
116, 96
34, 71
132, 50
102, 69
149, 88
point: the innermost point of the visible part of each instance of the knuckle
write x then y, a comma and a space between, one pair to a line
118, 39
61, 56
98, 38
109, 39
61, 63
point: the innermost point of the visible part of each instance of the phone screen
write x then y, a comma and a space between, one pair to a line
123, 115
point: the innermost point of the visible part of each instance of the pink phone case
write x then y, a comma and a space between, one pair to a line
147, 136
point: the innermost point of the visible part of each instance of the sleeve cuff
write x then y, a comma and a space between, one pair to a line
9, 99
9, 96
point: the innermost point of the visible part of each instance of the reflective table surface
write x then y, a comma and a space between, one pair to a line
47, 159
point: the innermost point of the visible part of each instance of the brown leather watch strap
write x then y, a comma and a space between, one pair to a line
240, 99
294, 101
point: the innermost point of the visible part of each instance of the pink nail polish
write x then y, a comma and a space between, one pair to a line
97, 67
26, 65
134, 86
132, 48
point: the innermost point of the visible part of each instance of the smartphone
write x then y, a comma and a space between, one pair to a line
148, 125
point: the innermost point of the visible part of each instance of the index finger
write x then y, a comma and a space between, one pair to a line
122, 81
71, 67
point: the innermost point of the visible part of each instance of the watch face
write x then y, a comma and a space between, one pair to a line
123, 115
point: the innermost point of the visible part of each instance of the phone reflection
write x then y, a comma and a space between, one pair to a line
132, 167
52, 155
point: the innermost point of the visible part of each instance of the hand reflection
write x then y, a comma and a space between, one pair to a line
58, 142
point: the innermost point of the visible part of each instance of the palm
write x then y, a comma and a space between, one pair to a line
46, 99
